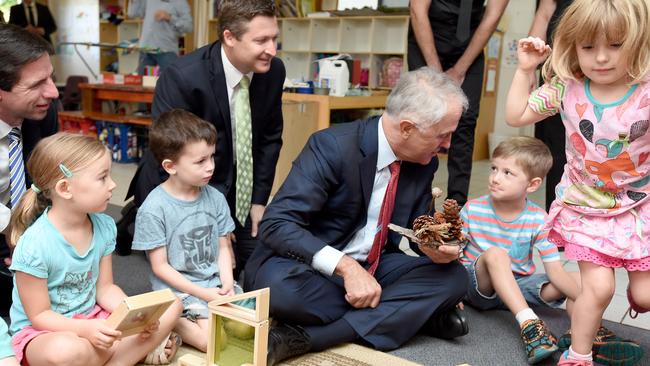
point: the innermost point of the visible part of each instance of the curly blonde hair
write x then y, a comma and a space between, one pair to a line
622, 21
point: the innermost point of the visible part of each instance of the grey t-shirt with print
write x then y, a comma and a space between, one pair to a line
189, 229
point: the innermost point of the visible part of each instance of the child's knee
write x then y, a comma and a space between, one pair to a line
67, 349
175, 309
601, 292
641, 297
495, 255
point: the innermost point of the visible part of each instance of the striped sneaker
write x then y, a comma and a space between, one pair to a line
566, 361
608, 348
538, 340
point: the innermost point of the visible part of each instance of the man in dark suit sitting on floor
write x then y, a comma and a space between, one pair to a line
335, 271
27, 114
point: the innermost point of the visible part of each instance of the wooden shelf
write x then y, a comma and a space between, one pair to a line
93, 94
371, 39
119, 118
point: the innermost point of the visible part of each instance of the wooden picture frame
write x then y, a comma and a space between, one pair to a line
224, 308
135, 313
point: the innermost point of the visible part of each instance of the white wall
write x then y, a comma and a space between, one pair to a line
77, 21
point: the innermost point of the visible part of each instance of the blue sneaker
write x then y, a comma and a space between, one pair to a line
538, 340
609, 349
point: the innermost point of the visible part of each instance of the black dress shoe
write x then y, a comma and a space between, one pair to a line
450, 324
286, 341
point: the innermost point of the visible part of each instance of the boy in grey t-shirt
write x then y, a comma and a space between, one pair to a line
185, 224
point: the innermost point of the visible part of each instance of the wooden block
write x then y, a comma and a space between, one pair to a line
224, 309
135, 313
191, 360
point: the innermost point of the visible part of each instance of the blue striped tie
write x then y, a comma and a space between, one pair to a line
16, 166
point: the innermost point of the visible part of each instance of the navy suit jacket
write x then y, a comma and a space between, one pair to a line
324, 199
45, 19
197, 83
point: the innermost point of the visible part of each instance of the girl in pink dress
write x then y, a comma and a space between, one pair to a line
597, 79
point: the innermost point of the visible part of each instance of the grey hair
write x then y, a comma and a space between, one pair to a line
422, 97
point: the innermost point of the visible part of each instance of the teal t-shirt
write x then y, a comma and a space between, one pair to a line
5, 341
71, 277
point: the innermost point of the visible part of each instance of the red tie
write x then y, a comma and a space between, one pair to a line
385, 214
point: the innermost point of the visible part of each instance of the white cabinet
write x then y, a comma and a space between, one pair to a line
372, 40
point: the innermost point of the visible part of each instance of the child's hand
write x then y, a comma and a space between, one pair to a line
209, 294
532, 51
149, 330
99, 334
227, 290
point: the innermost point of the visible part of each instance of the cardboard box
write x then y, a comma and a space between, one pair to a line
132, 79
149, 81
111, 78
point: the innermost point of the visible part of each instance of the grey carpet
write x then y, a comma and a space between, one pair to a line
493, 338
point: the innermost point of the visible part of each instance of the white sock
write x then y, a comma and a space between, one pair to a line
578, 356
526, 314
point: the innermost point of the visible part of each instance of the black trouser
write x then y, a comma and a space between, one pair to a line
413, 289
245, 244
6, 279
552, 132
459, 160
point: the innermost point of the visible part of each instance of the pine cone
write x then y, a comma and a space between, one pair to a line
451, 211
429, 232
421, 221
439, 218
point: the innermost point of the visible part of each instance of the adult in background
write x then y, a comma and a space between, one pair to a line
235, 84
449, 36
34, 17
27, 114
335, 271
551, 130
164, 22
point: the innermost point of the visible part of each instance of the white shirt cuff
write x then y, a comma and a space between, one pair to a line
326, 259
5, 216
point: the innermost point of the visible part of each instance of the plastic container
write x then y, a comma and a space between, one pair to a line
337, 74
75, 122
126, 142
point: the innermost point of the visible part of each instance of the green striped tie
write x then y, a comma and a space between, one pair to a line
243, 149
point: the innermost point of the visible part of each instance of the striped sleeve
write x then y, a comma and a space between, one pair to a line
547, 251
547, 99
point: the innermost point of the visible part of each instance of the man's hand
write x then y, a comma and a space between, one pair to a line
257, 211
456, 75
532, 51
442, 254
162, 16
362, 289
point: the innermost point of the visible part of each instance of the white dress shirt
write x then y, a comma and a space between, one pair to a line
5, 192
326, 259
233, 77
28, 15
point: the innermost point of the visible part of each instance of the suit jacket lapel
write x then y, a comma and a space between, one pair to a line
219, 87
368, 164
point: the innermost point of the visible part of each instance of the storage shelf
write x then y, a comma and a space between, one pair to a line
372, 39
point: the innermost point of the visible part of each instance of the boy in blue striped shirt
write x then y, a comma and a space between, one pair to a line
502, 229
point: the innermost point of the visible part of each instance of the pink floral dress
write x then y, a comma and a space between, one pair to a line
602, 200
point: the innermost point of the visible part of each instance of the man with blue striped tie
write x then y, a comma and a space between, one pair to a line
26, 115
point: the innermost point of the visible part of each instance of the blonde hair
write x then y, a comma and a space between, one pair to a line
624, 21
531, 154
74, 151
